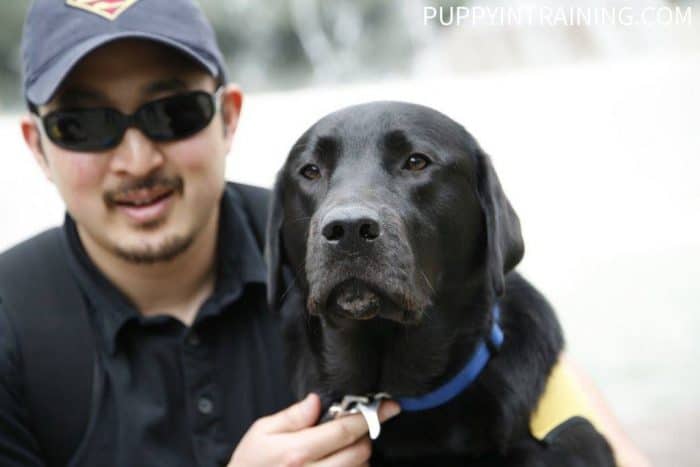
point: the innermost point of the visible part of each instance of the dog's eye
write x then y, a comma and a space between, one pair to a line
310, 171
416, 162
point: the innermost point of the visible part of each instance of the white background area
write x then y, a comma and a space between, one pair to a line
601, 161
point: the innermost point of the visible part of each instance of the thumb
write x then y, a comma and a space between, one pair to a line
303, 414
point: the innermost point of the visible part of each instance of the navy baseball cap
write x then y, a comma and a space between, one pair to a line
59, 33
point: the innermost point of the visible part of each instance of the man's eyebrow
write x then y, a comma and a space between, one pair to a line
73, 96
173, 84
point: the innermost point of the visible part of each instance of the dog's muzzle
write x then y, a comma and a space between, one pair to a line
360, 265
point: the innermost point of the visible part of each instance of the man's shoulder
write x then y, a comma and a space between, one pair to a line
247, 186
34, 272
19, 266
256, 196
20, 254
254, 201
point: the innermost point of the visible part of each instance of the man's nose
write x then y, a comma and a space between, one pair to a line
350, 228
136, 154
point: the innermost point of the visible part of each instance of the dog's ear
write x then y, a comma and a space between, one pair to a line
505, 247
273, 248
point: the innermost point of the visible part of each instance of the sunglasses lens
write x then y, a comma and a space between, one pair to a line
167, 119
84, 130
176, 117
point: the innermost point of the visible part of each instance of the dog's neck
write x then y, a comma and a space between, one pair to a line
384, 356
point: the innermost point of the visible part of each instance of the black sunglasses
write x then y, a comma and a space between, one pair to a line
167, 119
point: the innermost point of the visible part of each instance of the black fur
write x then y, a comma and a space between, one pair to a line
385, 272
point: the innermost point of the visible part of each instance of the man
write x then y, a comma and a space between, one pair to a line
131, 119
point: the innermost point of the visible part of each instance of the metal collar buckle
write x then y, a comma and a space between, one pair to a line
366, 405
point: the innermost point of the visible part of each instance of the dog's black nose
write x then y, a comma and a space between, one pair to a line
350, 227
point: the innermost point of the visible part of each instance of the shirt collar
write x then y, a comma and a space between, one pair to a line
240, 262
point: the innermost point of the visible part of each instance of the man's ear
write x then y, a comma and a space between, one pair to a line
32, 137
274, 250
231, 104
505, 247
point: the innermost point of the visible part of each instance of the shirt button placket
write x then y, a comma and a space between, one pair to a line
193, 340
199, 348
205, 405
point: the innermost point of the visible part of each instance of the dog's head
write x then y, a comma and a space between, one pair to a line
381, 208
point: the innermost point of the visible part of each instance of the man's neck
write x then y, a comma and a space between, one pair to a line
176, 287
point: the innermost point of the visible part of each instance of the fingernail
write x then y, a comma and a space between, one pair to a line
307, 404
392, 410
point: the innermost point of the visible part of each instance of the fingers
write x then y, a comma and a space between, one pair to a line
388, 409
327, 438
357, 454
343, 440
303, 414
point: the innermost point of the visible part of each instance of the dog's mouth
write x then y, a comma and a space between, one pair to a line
359, 300
356, 299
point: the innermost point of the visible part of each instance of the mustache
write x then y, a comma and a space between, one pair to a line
160, 181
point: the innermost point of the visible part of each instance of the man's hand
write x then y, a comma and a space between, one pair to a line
289, 438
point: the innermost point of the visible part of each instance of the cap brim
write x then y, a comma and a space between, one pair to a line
43, 89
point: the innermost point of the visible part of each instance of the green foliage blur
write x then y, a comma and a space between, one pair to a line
275, 44
284, 44
12, 14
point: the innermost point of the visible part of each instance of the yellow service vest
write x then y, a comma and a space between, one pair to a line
562, 399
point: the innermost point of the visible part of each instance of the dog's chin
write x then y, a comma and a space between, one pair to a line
354, 299
357, 300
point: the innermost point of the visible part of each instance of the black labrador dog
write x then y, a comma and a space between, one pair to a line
391, 249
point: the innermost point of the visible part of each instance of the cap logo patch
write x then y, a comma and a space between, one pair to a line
109, 9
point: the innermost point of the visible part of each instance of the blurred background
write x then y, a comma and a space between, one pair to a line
589, 109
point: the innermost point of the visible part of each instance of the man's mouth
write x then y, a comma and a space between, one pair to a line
144, 205
142, 197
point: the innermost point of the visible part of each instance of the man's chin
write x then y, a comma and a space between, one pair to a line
157, 252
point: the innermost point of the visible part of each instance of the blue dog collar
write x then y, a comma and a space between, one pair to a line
464, 378
368, 405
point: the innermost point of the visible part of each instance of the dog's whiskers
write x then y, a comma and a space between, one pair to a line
427, 281
289, 288
291, 284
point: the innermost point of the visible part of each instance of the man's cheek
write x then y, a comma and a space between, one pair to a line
79, 172
197, 153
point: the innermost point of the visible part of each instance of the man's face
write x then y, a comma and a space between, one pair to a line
145, 201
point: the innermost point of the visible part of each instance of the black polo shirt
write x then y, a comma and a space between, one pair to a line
169, 395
